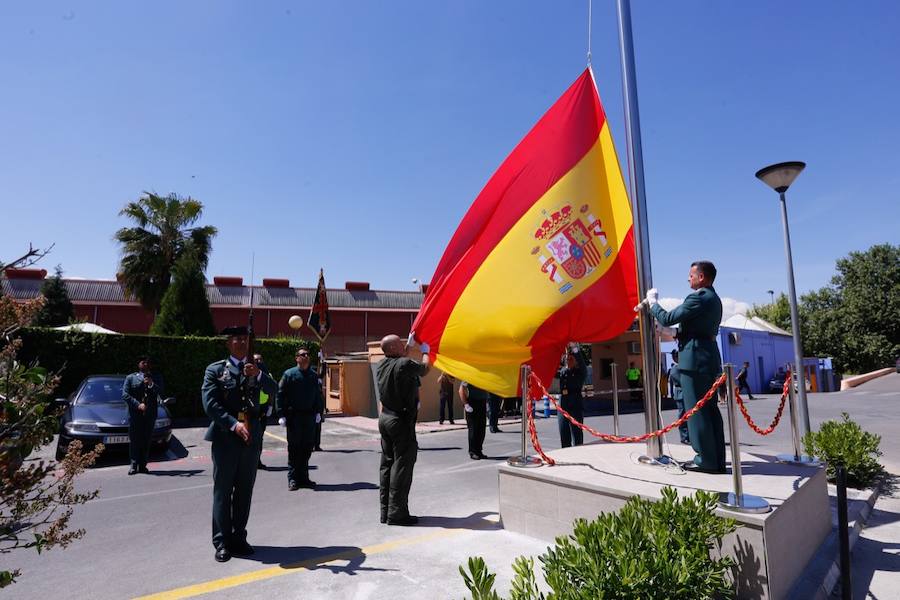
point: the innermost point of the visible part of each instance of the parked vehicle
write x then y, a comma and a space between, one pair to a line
96, 413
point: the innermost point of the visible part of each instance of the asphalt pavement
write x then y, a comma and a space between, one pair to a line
150, 534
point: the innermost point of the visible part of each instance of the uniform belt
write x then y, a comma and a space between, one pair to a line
392, 413
687, 338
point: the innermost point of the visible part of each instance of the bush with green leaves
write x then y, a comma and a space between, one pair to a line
845, 443
180, 360
645, 550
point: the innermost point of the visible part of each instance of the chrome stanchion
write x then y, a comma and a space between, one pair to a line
615, 391
797, 458
737, 500
524, 460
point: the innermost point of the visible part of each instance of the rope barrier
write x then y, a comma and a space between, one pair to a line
532, 430
634, 438
774, 424
540, 391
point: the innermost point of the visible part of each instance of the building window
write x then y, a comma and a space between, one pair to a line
634, 347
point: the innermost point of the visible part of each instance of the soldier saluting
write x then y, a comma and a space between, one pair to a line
231, 400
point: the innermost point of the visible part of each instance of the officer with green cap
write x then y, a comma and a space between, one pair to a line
699, 362
230, 395
300, 402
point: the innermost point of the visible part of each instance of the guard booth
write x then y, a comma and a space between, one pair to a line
350, 386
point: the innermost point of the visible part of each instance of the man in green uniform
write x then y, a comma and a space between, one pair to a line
699, 362
397, 378
230, 396
265, 409
300, 402
143, 392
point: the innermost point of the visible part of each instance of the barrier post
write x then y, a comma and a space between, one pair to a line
797, 458
615, 383
737, 500
524, 460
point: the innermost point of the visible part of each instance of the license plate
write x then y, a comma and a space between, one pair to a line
115, 439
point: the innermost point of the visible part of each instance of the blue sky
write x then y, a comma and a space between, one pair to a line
354, 135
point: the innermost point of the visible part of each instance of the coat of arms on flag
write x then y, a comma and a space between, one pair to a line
319, 318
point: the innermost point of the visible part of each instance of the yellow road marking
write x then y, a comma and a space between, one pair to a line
277, 437
307, 564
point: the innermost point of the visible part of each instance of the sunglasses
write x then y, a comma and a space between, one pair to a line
304, 355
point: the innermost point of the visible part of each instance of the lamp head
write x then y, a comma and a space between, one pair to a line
780, 176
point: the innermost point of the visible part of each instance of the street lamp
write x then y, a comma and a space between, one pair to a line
779, 177
771, 294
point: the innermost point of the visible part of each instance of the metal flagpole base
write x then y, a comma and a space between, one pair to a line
524, 461
662, 461
748, 503
793, 459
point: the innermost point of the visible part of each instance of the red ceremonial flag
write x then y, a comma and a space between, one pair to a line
319, 317
545, 255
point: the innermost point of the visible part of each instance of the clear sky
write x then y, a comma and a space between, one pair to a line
354, 135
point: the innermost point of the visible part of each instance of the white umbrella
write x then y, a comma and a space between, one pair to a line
86, 328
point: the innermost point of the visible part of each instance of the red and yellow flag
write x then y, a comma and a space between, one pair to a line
544, 256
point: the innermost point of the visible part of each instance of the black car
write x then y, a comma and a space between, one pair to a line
96, 413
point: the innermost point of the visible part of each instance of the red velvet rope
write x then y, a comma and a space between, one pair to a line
536, 383
774, 424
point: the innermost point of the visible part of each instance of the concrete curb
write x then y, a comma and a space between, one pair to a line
852, 382
823, 573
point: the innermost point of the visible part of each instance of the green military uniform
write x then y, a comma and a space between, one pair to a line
299, 400
234, 462
398, 387
699, 364
140, 424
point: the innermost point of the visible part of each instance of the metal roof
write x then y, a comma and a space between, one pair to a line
84, 291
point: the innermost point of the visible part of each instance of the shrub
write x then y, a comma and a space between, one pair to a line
181, 360
845, 443
646, 550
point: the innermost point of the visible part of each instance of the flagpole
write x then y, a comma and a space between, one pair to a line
649, 342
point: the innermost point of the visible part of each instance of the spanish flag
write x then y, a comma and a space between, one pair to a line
545, 255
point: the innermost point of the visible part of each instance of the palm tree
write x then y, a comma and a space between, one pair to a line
162, 234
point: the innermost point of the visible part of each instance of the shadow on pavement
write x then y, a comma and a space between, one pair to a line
345, 487
313, 558
439, 449
346, 451
476, 522
118, 455
176, 472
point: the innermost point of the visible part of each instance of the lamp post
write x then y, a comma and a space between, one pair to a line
779, 177
771, 294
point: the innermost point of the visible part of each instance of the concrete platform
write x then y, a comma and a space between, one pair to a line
771, 549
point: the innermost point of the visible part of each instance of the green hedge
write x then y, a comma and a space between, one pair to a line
181, 360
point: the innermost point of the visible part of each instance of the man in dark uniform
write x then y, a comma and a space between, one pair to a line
742, 380
397, 378
445, 396
265, 409
494, 404
300, 402
143, 392
699, 362
474, 401
571, 380
230, 396
678, 396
